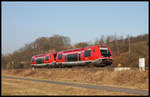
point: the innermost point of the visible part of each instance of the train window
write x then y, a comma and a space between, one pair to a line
69, 57
32, 59
72, 57
87, 53
105, 52
40, 61
60, 56
46, 58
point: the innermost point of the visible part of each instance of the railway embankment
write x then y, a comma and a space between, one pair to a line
133, 79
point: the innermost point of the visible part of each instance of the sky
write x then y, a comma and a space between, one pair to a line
24, 22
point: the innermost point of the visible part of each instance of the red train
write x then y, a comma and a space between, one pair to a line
97, 55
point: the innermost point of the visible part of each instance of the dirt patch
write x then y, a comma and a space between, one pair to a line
30, 73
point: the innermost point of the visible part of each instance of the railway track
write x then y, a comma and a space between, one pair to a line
81, 67
109, 68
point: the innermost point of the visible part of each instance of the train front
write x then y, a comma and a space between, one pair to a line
105, 56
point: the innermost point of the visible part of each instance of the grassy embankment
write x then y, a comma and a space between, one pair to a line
128, 79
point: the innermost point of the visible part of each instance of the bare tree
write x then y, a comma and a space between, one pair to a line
58, 42
101, 42
81, 45
96, 41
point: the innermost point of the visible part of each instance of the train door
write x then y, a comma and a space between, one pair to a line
87, 54
59, 57
46, 59
65, 58
55, 54
93, 54
79, 56
33, 60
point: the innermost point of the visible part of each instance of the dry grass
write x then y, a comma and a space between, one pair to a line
129, 79
19, 87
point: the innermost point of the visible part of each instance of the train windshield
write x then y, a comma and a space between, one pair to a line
105, 52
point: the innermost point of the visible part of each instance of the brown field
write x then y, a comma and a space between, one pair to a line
19, 87
127, 79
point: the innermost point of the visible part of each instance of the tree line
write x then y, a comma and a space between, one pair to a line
138, 47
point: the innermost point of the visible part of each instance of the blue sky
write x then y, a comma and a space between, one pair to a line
24, 22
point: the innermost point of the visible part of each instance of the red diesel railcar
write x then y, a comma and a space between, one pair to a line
43, 60
97, 55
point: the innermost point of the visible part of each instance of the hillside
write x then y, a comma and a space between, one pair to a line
138, 50
120, 50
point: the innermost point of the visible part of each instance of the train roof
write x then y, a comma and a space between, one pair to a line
70, 50
41, 55
101, 45
80, 49
44, 54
